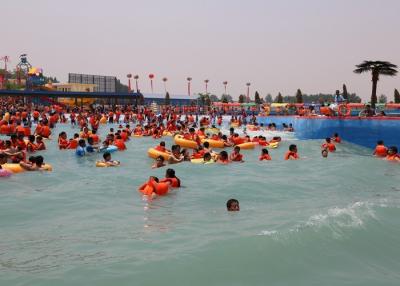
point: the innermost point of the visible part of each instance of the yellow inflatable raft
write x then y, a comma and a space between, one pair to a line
104, 165
201, 161
179, 140
16, 168
212, 130
247, 145
214, 143
153, 153
103, 120
273, 145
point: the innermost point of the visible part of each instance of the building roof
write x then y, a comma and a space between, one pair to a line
171, 96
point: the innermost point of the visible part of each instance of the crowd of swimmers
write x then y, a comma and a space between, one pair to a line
21, 142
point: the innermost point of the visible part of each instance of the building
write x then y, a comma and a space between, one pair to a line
174, 99
103, 83
75, 87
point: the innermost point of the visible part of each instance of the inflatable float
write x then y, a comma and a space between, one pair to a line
154, 153
179, 140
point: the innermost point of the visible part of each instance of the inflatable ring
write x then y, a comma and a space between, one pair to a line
273, 145
179, 140
251, 127
167, 133
5, 173
267, 110
6, 117
103, 120
154, 153
201, 161
344, 110
197, 161
110, 149
47, 167
247, 145
213, 130
101, 164
16, 168
12, 167
147, 190
104, 165
214, 143
137, 135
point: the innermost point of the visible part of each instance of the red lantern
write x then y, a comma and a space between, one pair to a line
189, 79
136, 77
206, 82
225, 84
165, 83
151, 76
129, 81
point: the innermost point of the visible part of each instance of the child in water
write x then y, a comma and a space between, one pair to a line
392, 154
232, 205
236, 156
35, 164
324, 153
159, 162
292, 153
380, 149
80, 151
264, 155
108, 161
223, 158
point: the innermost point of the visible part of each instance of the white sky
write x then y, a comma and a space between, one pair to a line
278, 46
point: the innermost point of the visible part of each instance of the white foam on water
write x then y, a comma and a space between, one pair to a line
268, 232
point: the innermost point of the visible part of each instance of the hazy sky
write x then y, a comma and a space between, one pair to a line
276, 45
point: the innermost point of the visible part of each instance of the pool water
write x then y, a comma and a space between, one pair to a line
315, 221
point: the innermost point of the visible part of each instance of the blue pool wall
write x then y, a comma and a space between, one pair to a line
361, 131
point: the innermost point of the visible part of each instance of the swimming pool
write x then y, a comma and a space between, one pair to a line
309, 222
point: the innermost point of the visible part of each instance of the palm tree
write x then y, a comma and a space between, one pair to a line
376, 68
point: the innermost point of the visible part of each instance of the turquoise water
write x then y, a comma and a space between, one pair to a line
315, 221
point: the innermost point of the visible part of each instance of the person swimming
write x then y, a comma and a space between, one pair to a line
292, 153
108, 161
232, 205
380, 149
35, 164
81, 150
235, 155
170, 177
223, 158
392, 154
176, 156
324, 153
159, 162
329, 145
264, 155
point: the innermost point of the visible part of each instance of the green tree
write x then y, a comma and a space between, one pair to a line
299, 96
345, 94
213, 98
268, 98
257, 98
204, 99
167, 100
354, 98
140, 99
120, 87
225, 98
382, 98
396, 96
376, 68
242, 98
279, 98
